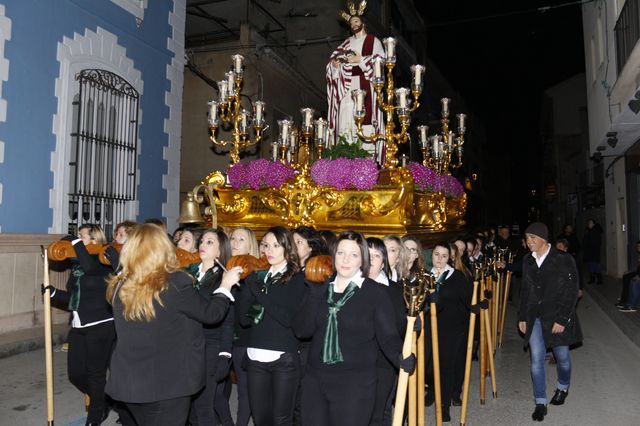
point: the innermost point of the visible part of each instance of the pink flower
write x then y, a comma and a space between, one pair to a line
258, 174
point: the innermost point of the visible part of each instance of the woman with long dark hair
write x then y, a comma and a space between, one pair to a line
347, 318
159, 361
274, 296
309, 243
453, 295
214, 250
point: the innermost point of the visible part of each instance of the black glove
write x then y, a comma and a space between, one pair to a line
44, 288
69, 238
483, 304
222, 368
407, 364
434, 297
417, 326
488, 294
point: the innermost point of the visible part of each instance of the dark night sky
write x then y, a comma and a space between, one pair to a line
501, 65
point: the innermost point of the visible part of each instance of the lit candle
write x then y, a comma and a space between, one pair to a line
390, 49
450, 139
293, 139
461, 122
231, 83
284, 131
358, 98
445, 106
424, 131
274, 151
329, 139
237, 63
320, 126
307, 118
258, 112
435, 146
401, 95
417, 71
223, 86
378, 63
244, 121
213, 113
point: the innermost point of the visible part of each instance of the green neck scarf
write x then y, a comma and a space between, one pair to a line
331, 353
256, 311
74, 300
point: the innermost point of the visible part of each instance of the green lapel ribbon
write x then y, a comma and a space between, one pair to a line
74, 300
331, 353
256, 311
440, 280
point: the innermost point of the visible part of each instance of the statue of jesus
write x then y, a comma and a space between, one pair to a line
350, 67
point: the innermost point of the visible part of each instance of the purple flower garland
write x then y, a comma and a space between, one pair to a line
427, 180
343, 173
259, 174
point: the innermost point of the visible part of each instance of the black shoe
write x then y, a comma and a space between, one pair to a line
429, 399
559, 397
446, 417
627, 309
456, 401
619, 305
539, 412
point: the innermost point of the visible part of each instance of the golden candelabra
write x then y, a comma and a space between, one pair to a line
396, 102
438, 151
293, 145
228, 110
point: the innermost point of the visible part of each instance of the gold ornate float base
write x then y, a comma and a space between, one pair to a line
391, 207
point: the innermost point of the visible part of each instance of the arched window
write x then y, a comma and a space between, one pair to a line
103, 152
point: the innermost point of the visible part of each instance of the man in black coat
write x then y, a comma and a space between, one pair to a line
547, 315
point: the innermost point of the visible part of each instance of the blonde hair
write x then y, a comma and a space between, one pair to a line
95, 233
146, 260
403, 256
254, 249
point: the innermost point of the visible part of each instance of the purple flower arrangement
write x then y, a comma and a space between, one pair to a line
427, 180
343, 173
258, 174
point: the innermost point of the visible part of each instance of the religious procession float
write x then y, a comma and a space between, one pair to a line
340, 172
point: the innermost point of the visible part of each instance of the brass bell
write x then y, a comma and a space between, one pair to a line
190, 211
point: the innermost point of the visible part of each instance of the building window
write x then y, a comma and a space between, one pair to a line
102, 164
601, 41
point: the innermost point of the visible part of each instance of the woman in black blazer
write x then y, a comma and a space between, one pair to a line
274, 297
214, 249
454, 291
347, 318
159, 359
92, 333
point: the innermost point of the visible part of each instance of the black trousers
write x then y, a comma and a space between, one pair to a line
244, 410
169, 412
384, 387
211, 400
451, 369
272, 389
337, 399
626, 281
87, 363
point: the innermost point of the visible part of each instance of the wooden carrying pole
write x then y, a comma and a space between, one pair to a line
496, 308
467, 366
420, 371
482, 362
505, 299
403, 377
492, 370
413, 388
436, 363
48, 349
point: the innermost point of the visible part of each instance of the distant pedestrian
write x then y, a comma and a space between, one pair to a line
591, 243
547, 315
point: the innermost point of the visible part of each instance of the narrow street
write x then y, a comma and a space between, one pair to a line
605, 388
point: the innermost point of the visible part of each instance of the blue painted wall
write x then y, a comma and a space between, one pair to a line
37, 28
